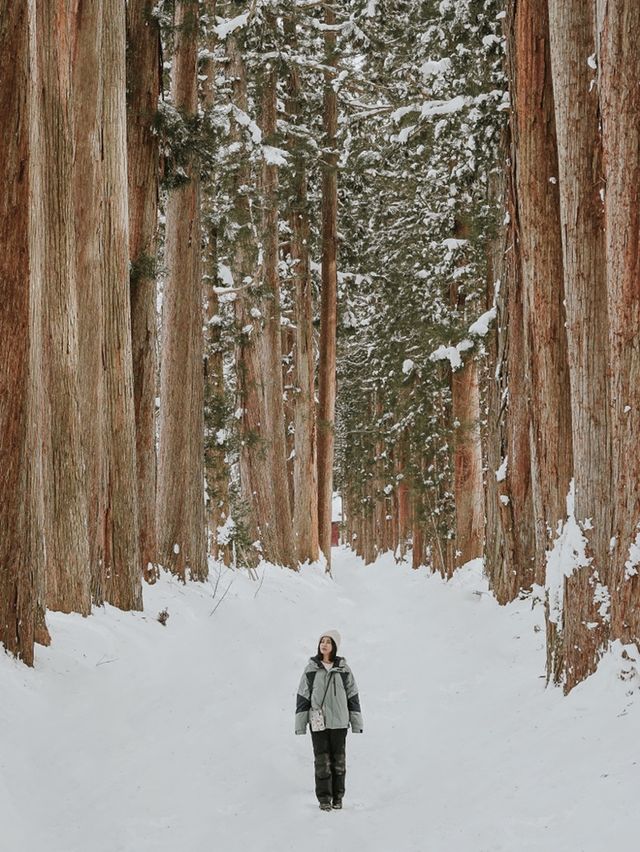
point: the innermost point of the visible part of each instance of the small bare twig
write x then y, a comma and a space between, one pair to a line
103, 662
222, 598
264, 571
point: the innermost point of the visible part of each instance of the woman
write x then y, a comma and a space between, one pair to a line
327, 685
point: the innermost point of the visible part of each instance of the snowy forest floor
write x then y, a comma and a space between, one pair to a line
133, 737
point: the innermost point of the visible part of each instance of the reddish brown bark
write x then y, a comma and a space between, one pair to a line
273, 422
467, 460
510, 537
88, 221
143, 87
67, 543
122, 574
538, 232
21, 235
329, 299
619, 88
305, 487
181, 516
572, 39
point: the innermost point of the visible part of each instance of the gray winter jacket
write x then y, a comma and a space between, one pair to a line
341, 704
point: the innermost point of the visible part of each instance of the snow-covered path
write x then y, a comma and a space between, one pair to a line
133, 737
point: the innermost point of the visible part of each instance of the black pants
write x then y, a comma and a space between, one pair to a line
329, 751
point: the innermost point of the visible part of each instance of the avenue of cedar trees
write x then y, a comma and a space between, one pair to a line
258, 252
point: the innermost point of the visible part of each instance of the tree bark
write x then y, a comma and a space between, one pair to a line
88, 220
66, 534
181, 516
305, 486
468, 486
329, 299
537, 211
121, 545
619, 86
21, 235
271, 340
572, 28
511, 548
143, 87
216, 467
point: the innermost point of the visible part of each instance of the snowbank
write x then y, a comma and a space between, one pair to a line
133, 737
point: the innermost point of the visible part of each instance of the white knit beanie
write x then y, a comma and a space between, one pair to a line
333, 634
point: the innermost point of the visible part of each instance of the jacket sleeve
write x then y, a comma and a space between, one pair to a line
353, 704
303, 705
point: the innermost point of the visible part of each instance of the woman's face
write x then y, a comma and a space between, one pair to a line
325, 646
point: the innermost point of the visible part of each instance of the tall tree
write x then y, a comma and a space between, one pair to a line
88, 221
21, 270
180, 512
216, 431
514, 569
66, 534
273, 422
465, 393
572, 40
121, 545
305, 486
619, 90
143, 88
329, 297
536, 212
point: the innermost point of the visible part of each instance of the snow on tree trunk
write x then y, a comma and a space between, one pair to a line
468, 485
181, 515
328, 307
619, 89
511, 555
66, 535
537, 209
143, 86
586, 616
537, 213
21, 235
216, 443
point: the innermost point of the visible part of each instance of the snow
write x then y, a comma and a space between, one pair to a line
225, 532
452, 244
453, 354
431, 67
447, 353
370, 11
225, 274
336, 508
407, 366
226, 27
429, 108
566, 556
274, 156
130, 736
481, 326
631, 565
245, 120
501, 472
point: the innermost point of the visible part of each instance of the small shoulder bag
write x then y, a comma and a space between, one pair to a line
316, 716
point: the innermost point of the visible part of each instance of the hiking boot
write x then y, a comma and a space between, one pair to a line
337, 805
325, 806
